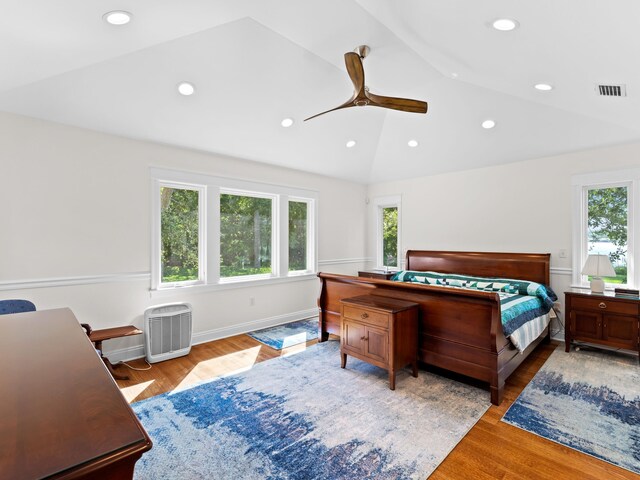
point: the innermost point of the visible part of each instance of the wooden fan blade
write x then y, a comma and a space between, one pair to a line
344, 105
355, 70
403, 104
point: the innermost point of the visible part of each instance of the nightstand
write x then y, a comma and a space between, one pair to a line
379, 274
602, 319
381, 331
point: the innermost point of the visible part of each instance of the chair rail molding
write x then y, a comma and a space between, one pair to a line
70, 281
340, 261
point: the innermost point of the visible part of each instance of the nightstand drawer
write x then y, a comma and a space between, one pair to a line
368, 316
604, 305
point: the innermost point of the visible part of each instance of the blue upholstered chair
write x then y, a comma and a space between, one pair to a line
16, 306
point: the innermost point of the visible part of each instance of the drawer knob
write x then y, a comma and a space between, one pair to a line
602, 305
365, 315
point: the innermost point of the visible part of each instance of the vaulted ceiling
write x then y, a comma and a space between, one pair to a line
256, 62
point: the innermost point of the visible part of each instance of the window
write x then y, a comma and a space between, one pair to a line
217, 231
390, 236
180, 235
388, 232
246, 235
604, 223
298, 236
607, 219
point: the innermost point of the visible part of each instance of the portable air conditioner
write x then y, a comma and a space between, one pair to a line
167, 332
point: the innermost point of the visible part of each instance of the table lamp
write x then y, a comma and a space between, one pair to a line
598, 266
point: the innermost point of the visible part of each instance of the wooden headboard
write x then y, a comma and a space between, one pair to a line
522, 266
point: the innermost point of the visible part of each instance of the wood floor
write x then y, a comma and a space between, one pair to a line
491, 450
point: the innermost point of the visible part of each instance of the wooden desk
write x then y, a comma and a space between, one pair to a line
61, 414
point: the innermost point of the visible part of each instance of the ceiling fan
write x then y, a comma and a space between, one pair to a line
363, 97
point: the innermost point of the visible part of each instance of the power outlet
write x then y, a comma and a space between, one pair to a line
252, 301
562, 253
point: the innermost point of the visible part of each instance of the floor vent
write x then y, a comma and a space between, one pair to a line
167, 331
612, 90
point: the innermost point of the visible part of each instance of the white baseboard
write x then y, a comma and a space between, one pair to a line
131, 353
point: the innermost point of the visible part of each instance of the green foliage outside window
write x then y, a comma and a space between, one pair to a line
179, 234
390, 236
297, 236
245, 235
607, 222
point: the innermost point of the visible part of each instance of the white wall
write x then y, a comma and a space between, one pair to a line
519, 207
75, 210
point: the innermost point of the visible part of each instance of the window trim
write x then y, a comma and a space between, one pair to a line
311, 258
581, 184
274, 235
212, 187
379, 204
156, 264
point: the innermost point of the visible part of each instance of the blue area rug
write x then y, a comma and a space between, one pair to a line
586, 400
303, 417
289, 334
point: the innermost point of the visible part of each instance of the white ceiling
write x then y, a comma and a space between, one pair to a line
255, 62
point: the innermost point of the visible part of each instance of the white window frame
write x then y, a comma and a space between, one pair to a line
311, 235
379, 204
209, 217
274, 235
156, 264
581, 184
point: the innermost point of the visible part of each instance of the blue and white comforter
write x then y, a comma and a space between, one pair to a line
521, 301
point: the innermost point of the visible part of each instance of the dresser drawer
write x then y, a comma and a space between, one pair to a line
604, 305
366, 316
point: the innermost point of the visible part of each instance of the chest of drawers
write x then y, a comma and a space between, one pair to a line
602, 319
382, 331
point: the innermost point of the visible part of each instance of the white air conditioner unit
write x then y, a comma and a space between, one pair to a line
167, 332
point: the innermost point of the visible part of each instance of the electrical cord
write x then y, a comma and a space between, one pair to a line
138, 369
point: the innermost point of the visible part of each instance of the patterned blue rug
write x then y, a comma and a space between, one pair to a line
282, 336
303, 417
586, 400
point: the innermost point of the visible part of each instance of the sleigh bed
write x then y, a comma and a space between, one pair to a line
460, 330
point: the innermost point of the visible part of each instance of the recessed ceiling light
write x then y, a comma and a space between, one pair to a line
412, 143
286, 122
488, 124
544, 87
117, 17
454, 75
351, 143
186, 89
504, 24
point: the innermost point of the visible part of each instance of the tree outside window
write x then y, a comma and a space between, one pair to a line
607, 225
298, 236
245, 235
179, 234
390, 236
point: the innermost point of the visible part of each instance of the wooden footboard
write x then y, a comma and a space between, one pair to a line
459, 330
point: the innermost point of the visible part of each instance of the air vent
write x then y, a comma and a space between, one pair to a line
612, 90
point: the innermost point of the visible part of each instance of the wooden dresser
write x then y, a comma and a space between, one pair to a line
382, 331
602, 319
62, 415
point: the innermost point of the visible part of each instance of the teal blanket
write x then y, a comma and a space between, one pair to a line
520, 300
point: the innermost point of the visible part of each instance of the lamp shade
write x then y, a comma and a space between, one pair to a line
598, 266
